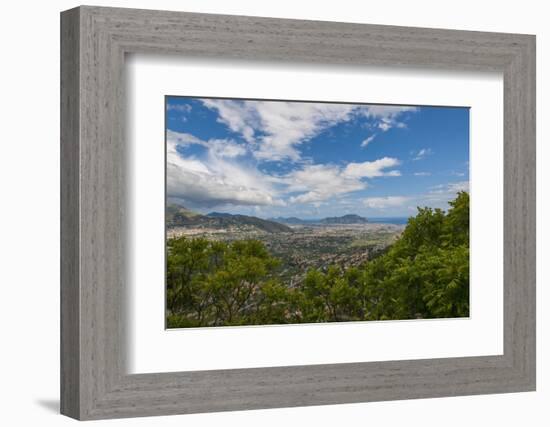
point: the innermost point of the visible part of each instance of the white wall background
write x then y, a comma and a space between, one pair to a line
29, 224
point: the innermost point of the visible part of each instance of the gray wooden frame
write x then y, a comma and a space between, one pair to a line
94, 382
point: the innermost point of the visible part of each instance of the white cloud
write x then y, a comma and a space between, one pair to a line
384, 125
450, 188
278, 126
182, 108
180, 138
226, 172
219, 147
276, 129
423, 153
387, 115
440, 195
455, 187
321, 182
224, 148
218, 179
372, 169
437, 197
422, 174
239, 116
385, 202
222, 176
368, 140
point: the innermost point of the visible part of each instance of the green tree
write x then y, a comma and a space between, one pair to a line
424, 274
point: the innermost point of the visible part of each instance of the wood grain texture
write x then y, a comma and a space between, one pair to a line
70, 314
94, 381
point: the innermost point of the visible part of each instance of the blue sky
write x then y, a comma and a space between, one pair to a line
312, 160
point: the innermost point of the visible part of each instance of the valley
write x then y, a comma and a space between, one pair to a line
300, 245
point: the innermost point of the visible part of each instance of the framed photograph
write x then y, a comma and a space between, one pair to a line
262, 213
290, 181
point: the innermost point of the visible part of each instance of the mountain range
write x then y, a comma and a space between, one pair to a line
179, 216
333, 220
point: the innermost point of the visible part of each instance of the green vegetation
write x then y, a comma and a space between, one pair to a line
178, 216
424, 274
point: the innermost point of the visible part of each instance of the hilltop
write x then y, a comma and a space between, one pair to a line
335, 220
179, 216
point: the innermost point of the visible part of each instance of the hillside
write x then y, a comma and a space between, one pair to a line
293, 220
336, 220
179, 216
324, 274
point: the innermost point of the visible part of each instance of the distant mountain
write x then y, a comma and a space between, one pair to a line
346, 219
219, 215
261, 224
176, 214
293, 220
179, 216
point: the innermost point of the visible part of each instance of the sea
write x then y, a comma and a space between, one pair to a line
388, 220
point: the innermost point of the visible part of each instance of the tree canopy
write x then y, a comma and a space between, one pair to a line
424, 274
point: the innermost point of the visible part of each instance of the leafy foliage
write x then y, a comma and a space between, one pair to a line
425, 274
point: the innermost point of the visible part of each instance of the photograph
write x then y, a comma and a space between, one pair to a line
274, 215
287, 212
